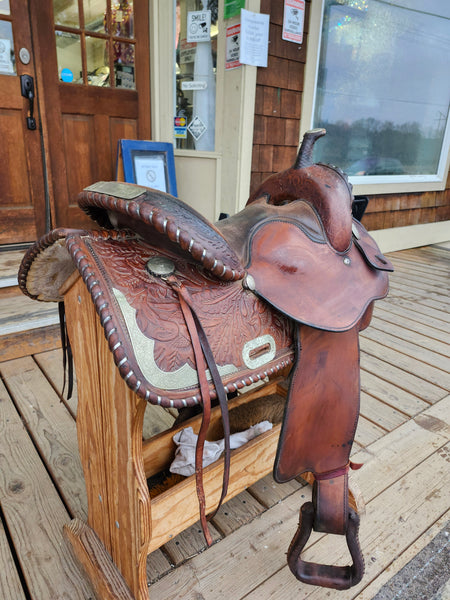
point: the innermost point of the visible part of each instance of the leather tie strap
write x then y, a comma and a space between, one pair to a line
202, 350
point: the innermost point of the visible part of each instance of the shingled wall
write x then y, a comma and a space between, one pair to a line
277, 124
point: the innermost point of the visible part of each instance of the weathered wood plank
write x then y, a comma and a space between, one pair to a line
25, 343
268, 492
417, 270
393, 521
408, 381
52, 428
238, 511
156, 420
367, 432
381, 414
96, 562
410, 331
403, 559
415, 286
34, 514
21, 313
435, 315
415, 319
261, 546
189, 543
10, 586
391, 394
157, 566
51, 364
407, 363
411, 349
423, 258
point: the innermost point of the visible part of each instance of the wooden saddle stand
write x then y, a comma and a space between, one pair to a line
193, 312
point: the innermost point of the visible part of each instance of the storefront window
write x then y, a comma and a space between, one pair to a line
195, 74
4, 7
7, 58
104, 29
383, 87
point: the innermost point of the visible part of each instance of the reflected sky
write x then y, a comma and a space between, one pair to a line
385, 60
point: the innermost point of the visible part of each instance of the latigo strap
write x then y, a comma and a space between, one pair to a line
202, 352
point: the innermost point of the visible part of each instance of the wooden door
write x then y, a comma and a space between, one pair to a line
22, 191
94, 73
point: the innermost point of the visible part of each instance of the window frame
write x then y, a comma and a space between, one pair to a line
368, 184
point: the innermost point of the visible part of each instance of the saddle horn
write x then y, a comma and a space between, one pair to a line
304, 156
324, 187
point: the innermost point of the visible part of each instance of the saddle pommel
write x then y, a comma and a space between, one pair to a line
324, 187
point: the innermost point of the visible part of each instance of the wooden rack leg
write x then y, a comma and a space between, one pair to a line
109, 425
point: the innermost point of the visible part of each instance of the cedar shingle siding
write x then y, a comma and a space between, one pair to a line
279, 90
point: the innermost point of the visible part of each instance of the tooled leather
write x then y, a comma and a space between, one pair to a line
177, 224
231, 316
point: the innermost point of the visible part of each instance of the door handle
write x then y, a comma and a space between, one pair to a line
27, 90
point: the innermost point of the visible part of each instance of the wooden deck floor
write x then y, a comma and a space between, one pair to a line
402, 439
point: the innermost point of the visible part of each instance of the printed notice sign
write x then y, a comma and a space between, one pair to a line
187, 52
196, 128
293, 18
199, 26
254, 45
233, 45
150, 171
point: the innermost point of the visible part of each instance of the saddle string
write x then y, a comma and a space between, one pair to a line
67, 352
202, 351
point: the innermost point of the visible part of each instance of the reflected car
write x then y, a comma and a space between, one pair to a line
376, 165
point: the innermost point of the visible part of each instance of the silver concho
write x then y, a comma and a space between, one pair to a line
160, 266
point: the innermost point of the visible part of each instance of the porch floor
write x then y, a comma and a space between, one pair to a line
402, 439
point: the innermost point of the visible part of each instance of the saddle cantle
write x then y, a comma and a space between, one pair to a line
193, 311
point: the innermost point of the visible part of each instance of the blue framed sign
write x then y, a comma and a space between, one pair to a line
150, 164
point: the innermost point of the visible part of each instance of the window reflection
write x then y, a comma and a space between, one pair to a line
195, 74
7, 57
68, 52
122, 19
124, 65
4, 7
383, 87
95, 15
66, 13
97, 62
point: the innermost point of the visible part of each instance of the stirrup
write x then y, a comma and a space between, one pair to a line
331, 576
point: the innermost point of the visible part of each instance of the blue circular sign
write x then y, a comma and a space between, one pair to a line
67, 75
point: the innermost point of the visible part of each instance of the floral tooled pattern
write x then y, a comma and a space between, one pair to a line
230, 315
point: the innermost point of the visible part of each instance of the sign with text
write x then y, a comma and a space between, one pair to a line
293, 18
199, 26
233, 45
254, 45
187, 52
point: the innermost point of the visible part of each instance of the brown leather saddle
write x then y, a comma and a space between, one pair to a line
194, 311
